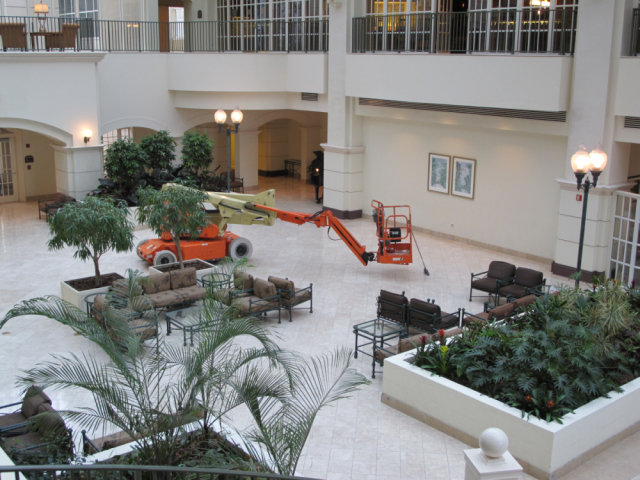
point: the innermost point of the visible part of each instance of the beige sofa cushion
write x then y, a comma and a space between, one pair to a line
182, 278
263, 288
243, 280
158, 282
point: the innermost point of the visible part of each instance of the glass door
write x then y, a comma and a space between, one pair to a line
8, 191
624, 265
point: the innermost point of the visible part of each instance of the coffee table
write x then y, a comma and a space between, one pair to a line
189, 320
377, 333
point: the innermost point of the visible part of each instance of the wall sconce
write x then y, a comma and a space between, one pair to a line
87, 135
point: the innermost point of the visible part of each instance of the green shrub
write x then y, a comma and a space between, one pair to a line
564, 351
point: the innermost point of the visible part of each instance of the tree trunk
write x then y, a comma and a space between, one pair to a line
98, 277
176, 240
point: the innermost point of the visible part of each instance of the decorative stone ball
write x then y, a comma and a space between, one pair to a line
493, 442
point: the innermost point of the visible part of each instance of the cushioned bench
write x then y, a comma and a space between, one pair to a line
262, 298
14, 422
172, 289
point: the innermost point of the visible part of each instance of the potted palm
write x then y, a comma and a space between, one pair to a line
93, 227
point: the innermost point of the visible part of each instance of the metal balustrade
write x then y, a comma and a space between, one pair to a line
137, 472
292, 35
529, 30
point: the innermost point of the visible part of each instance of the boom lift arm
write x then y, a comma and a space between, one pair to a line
323, 219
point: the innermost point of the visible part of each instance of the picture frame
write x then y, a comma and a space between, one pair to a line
463, 177
439, 173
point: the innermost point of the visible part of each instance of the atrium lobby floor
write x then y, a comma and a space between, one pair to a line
358, 438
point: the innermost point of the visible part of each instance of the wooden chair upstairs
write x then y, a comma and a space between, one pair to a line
64, 39
13, 36
488, 281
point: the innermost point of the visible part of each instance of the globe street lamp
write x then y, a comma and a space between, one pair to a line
582, 162
236, 119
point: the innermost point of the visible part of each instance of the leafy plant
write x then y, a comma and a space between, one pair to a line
197, 151
123, 162
564, 351
94, 227
159, 149
173, 210
150, 392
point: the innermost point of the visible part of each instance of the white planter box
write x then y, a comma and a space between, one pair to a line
76, 297
200, 271
544, 449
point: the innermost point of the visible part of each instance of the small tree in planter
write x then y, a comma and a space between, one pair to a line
93, 226
197, 156
173, 210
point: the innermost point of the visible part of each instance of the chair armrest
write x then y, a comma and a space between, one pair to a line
87, 442
10, 430
238, 293
474, 275
501, 282
14, 404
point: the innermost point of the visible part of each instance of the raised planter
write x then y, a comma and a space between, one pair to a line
74, 294
545, 450
202, 268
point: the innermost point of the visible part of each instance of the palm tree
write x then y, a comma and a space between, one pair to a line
151, 391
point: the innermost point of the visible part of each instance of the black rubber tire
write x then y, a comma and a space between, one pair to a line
163, 257
240, 248
140, 243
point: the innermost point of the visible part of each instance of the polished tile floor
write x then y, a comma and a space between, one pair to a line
358, 438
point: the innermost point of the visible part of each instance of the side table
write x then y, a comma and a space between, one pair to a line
377, 333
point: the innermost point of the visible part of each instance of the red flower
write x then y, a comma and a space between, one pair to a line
550, 404
441, 332
527, 398
423, 340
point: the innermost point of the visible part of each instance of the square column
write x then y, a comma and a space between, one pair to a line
78, 169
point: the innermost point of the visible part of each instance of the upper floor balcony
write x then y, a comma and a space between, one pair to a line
530, 30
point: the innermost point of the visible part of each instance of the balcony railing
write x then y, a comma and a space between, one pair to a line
137, 472
634, 49
530, 30
293, 35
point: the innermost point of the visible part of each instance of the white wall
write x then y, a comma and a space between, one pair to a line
516, 196
498, 81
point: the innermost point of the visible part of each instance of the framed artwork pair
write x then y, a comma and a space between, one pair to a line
456, 176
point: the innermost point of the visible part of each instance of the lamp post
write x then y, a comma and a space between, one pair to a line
581, 163
236, 119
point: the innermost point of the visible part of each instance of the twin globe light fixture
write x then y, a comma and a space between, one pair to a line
220, 118
583, 162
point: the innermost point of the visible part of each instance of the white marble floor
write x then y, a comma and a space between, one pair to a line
358, 438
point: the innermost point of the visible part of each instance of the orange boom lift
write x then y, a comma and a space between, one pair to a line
393, 228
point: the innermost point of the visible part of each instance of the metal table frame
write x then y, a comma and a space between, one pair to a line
378, 332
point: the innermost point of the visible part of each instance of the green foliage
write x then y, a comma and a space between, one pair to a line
93, 227
159, 149
564, 351
151, 392
197, 151
174, 209
123, 162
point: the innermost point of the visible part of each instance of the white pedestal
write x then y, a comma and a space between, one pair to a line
481, 467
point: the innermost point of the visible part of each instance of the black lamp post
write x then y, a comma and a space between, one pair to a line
581, 163
236, 119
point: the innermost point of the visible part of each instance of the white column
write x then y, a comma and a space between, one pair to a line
343, 158
78, 169
591, 121
247, 156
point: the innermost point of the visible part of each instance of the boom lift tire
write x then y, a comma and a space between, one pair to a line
164, 257
240, 248
140, 243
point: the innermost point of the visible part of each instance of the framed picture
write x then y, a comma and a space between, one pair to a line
439, 173
463, 177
